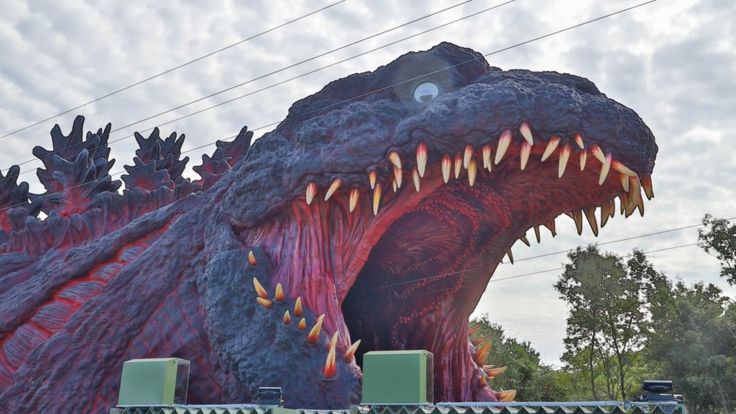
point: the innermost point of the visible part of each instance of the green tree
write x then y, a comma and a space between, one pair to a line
720, 237
693, 338
607, 321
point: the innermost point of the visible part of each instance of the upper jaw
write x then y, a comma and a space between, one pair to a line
563, 106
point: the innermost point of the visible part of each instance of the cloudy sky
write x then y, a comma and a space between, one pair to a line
674, 62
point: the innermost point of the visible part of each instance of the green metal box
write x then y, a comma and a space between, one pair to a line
398, 377
154, 381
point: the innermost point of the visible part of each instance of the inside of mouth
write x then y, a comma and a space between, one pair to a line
428, 269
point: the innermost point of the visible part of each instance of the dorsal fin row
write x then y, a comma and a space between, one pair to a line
76, 174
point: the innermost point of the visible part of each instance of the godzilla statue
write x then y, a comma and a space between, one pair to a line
371, 218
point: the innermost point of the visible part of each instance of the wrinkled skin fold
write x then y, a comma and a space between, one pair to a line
376, 211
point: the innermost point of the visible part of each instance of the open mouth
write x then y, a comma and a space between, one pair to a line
400, 263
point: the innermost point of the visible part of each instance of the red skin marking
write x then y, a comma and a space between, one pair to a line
75, 306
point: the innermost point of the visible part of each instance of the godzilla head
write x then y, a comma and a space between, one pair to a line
386, 200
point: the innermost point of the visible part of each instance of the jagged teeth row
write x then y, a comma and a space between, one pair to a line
330, 367
629, 201
454, 165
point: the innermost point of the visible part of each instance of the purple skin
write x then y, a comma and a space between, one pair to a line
163, 269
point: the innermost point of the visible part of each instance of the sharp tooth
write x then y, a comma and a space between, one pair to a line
376, 198
526, 132
579, 141
260, 291
492, 371
552, 227
251, 258
631, 206
330, 366
526, 149
472, 171
551, 147
397, 176
646, 183
264, 302
537, 235
598, 153
458, 166
415, 176
525, 240
604, 213
564, 156
467, 155
612, 207
577, 215
590, 216
481, 354
604, 169
333, 340
583, 159
353, 199
313, 336
302, 324
372, 178
279, 293
506, 396
620, 167
446, 165
287, 318
311, 192
636, 192
510, 255
622, 201
298, 308
393, 185
350, 353
624, 182
421, 158
486, 150
333, 187
393, 156
503, 145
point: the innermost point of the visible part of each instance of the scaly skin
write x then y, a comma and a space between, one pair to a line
174, 276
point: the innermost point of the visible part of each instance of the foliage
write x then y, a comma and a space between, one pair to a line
720, 237
694, 340
607, 321
525, 373
628, 322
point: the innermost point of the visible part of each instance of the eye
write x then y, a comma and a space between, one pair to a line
425, 92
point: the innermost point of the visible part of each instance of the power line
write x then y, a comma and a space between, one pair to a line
522, 275
441, 290
618, 240
292, 66
679, 246
368, 93
641, 236
370, 51
134, 84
